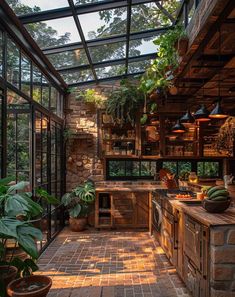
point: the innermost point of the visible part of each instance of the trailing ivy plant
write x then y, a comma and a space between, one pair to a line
160, 74
124, 102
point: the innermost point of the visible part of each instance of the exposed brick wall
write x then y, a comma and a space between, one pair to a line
83, 161
82, 146
222, 261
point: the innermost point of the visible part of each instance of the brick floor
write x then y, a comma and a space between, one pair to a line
109, 264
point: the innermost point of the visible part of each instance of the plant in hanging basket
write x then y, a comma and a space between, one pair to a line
124, 102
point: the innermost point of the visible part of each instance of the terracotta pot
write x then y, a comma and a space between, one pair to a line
182, 46
13, 289
7, 274
77, 224
155, 95
173, 90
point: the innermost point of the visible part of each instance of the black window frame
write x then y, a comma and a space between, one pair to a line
159, 165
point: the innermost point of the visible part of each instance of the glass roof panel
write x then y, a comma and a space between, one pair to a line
142, 47
107, 52
104, 23
140, 66
29, 6
54, 32
69, 59
147, 16
80, 2
77, 76
110, 71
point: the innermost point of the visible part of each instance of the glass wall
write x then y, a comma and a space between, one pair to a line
18, 136
31, 131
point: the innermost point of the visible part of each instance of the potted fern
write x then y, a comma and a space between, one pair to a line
78, 203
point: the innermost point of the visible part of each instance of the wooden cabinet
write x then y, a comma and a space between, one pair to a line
123, 209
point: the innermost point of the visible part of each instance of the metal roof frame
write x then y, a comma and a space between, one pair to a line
74, 11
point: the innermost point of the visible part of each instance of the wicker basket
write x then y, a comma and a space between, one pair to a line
215, 206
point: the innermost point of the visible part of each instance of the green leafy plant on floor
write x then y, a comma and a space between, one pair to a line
91, 96
160, 74
18, 209
124, 102
78, 201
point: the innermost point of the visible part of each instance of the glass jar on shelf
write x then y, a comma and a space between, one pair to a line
193, 178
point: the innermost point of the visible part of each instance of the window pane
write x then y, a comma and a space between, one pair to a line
1, 52
107, 52
208, 169
110, 71
37, 82
25, 75
104, 23
69, 59
18, 136
142, 47
80, 2
26, 6
45, 92
13, 63
171, 166
77, 76
116, 168
148, 168
140, 66
54, 32
184, 168
147, 16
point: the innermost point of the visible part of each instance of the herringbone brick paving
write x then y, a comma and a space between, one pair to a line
109, 264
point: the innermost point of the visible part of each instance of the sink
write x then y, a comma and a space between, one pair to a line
191, 202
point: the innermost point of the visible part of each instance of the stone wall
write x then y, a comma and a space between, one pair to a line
82, 157
82, 143
222, 261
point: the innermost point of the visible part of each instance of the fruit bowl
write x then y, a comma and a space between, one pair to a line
215, 206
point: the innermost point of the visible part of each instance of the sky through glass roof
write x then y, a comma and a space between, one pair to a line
88, 40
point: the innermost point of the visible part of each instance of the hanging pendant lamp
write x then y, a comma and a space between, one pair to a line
178, 128
202, 114
187, 118
217, 112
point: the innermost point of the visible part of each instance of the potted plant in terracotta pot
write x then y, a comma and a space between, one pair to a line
78, 204
16, 210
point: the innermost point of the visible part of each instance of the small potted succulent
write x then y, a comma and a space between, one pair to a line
17, 208
78, 203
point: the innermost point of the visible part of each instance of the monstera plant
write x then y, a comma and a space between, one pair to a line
78, 203
17, 210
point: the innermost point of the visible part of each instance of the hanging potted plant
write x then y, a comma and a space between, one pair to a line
124, 102
16, 209
92, 98
78, 203
159, 77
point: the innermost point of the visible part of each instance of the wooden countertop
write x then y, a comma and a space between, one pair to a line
206, 218
131, 188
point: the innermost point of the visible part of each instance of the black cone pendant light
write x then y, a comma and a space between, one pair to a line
217, 112
187, 118
202, 114
178, 128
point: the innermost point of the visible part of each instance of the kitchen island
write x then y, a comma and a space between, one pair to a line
200, 245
